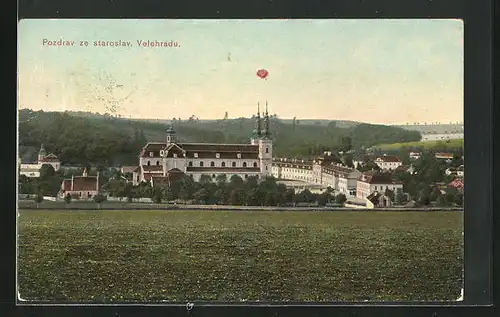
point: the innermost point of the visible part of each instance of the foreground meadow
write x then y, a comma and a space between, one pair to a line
239, 256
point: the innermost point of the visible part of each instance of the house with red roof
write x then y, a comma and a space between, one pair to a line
82, 187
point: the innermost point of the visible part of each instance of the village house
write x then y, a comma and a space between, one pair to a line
370, 182
459, 171
378, 199
81, 187
388, 162
414, 155
44, 158
444, 156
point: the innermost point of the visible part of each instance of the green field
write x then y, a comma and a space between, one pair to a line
452, 144
239, 256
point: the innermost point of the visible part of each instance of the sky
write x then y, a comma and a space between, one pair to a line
377, 71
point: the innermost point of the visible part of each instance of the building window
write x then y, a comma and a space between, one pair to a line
238, 155
213, 175
190, 164
201, 164
212, 164
150, 153
162, 152
195, 154
255, 164
234, 164
267, 150
244, 164
157, 162
266, 168
217, 155
375, 187
223, 164
149, 163
175, 154
246, 176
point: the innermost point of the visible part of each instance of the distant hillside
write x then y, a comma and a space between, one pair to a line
439, 144
435, 128
80, 136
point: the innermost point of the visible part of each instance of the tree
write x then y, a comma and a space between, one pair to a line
369, 166
441, 200
270, 199
399, 197
99, 199
201, 196
435, 193
389, 193
340, 199
324, 198
158, 195
47, 171
237, 196
221, 179
347, 160
290, 195
205, 179
236, 181
459, 199
38, 199
168, 193
67, 199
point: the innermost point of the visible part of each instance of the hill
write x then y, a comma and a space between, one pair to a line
442, 145
434, 128
79, 137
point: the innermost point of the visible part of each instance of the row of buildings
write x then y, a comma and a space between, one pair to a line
166, 162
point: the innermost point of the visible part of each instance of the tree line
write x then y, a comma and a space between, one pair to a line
116, 141
223, 191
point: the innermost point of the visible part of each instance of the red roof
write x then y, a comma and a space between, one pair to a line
457, 183
444, 155
85, 183
66, 185
49, 158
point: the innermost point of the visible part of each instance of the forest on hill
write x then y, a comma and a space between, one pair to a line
111, 141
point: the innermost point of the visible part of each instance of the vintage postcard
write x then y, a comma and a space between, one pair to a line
176, 161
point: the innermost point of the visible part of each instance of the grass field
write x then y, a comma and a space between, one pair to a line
239, 256
455, 143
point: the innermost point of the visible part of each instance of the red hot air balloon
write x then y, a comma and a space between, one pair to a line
262, 73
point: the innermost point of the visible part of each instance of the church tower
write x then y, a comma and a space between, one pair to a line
171, 135
257, 132
41, 154
266, 148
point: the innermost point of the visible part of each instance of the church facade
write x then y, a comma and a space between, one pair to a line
164, 162
44, 158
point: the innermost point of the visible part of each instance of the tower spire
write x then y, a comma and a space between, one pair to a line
258, 129
266, 131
